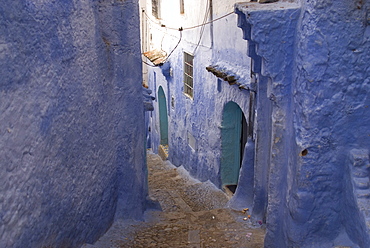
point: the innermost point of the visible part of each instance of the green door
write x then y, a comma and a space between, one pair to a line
163, 118
230, 144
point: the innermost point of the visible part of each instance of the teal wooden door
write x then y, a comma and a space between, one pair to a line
163, 118
230, 144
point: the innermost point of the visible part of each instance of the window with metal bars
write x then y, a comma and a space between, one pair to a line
188, 74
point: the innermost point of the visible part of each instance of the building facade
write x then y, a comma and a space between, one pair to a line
283, 116
204, 92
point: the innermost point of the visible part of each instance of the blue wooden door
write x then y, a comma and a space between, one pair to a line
230, 144
163, 118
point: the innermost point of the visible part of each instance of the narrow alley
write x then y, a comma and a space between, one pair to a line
193, 215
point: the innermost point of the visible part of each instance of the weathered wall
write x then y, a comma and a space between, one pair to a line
71, 143
270, 30
318, 176
201, 116
312, 141
332, 118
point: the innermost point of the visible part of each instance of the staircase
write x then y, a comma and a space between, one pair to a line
163, 152
361, 181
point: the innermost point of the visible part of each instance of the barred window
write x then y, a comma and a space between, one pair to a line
188, 74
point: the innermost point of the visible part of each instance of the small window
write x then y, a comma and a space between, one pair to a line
182, 10
191, 141
188, 74
173, 102
156, 8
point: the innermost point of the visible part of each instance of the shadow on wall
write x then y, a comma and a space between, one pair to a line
66, 114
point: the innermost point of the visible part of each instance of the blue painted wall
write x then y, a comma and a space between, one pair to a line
331, 102
199, 119
315, 56
310, 74
71, 118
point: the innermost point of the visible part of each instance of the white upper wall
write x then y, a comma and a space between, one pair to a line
228, 36
166, 37
162, 33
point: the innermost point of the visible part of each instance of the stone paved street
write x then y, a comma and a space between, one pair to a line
192, 216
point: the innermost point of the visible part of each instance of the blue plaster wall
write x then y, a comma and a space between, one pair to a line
316, 56
201, 116
332, 116
311, 66
72, 136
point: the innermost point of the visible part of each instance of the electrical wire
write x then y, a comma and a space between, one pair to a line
219, 18
180, 29
196, 26
164, 34
208, 9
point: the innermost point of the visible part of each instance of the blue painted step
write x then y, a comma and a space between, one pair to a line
361, 181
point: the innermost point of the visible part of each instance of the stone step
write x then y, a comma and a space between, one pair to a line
87, 246
361, 182
360, 173
163, 152
363, 204
363, 193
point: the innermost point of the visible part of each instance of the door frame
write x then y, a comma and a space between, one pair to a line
163, 117
231, 134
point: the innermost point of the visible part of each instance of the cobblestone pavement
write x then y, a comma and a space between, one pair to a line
192, 216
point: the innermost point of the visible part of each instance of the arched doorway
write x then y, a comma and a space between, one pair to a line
233, 139
163, 118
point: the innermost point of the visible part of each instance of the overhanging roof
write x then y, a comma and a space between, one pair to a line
232, 74
156, 56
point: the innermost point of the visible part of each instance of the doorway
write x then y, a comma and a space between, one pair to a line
163, 118
234, 136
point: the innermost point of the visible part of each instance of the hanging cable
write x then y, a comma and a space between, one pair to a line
196, 26
164, 34
209, 21
203, 26
180, 29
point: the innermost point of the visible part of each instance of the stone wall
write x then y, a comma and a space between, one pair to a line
72, 137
